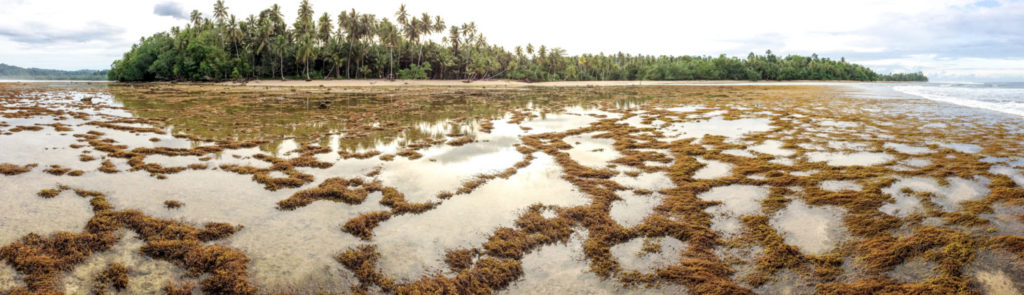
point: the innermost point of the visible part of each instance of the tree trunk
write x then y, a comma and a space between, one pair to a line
419, 57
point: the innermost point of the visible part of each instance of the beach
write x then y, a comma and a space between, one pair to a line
506, 83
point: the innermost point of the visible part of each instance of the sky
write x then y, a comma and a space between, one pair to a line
949, 40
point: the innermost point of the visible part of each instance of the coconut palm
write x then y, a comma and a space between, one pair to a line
388, 35
280, 45
439, 24
426, 26
234, 35
220, 12
196, 18
305, 50
304, 30
402, 16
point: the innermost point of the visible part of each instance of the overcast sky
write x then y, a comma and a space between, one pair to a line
950, 40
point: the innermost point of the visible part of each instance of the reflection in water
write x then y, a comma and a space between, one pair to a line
590, 151
712, 169
815, 230
731, 129
737, 200
633, 255
412, 245
841, 185
907, 149
633, 208
145, 276
947, 196
772, 147
562, 269
31, 214
998, 272
428, 144
849, 159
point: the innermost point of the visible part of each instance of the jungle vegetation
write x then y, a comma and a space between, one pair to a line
354, 45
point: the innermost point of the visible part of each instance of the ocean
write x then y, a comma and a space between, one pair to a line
1005, 97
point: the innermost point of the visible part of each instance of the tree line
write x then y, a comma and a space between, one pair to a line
354, 45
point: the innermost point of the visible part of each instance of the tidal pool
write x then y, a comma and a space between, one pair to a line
593, 190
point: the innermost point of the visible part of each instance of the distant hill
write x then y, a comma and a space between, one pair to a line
19, 73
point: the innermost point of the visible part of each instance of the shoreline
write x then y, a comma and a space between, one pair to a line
512, 83
477, 83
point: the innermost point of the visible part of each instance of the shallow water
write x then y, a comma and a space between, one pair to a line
562, 269
947, 196
712, 169
849, 159
737, 200
732, 129
483, 157
815, 230
998, 272
633, 208
145, 276
9, 278
840, 185
632, 256
907, 149
590, 151
772, 147
412, 245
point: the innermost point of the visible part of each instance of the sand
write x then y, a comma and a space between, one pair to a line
507, 83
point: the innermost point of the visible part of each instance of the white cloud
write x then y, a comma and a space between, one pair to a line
170, 8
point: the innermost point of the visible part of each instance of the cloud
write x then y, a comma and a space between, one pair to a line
170, 8
41, 34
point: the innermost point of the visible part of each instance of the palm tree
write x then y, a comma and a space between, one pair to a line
454, 39
333, 55
389, 37
304, 21
411, 30
402, 16
350, 21
277, 18
426, 26
234, 34
263, 38
196, 17
305, 52
304, 30
280, 44
439, 24
324, 30
469, 37
366, 25
220, 12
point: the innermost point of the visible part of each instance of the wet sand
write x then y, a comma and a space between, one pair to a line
718, 189
505, 83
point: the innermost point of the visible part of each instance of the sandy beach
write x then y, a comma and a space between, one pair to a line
509, 83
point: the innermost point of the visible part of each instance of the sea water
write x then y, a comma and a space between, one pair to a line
1005, 97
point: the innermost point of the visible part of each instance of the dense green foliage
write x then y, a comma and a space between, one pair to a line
354, 45
904, 77
13, 72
